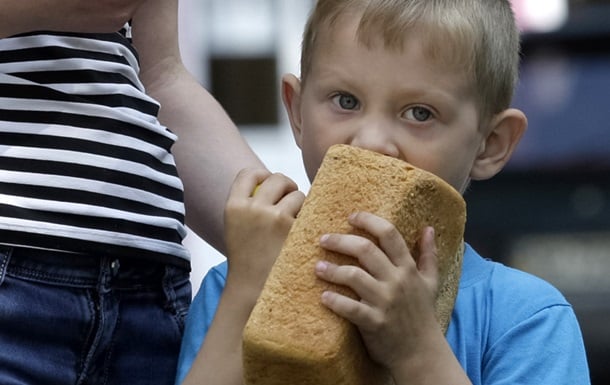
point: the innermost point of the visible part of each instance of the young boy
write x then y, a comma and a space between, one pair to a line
429, 82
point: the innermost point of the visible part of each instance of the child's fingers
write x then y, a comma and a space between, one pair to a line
427, 263
273, 188
389, 238
355, 311
246, 180
291, 203
351, 276
370, 257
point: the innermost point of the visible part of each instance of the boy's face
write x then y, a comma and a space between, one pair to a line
396, 102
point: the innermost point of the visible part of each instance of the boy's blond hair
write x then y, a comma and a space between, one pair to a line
479, 38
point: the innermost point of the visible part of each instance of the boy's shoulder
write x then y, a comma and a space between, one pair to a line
508, 323
505, 291
481, 271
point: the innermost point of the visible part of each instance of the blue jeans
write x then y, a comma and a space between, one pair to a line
75, 319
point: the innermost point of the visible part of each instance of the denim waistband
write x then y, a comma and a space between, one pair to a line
86, 270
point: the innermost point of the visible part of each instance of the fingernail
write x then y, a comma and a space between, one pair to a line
324, 238
325, 297
321, 266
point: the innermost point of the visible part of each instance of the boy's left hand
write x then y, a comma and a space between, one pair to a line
395, 313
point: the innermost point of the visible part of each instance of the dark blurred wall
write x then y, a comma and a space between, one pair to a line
549, 212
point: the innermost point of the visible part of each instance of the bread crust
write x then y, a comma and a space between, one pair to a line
290, 337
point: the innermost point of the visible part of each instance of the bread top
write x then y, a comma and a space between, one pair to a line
288, 318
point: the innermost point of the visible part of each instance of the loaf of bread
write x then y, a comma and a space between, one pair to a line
290, 337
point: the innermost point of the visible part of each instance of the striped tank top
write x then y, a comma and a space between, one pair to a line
85, 166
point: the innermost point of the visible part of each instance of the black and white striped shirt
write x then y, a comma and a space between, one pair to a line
84, 164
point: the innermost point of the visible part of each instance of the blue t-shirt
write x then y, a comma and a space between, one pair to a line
507, 327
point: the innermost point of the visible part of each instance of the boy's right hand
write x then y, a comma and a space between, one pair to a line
255, 228
258, 215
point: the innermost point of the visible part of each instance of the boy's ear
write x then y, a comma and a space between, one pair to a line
291, 96
506, 130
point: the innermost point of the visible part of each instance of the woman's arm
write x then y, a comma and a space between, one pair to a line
210, 150
20, 16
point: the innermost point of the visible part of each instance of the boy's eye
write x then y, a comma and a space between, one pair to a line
420, 114
346, 101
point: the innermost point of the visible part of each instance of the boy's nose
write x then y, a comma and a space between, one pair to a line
375, 137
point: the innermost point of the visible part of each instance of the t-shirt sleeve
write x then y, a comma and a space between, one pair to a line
534, 336
199, 318
512, 328
546, 348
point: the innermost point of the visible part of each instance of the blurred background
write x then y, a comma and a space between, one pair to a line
547, 213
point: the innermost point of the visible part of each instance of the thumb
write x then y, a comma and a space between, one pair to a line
427, 263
